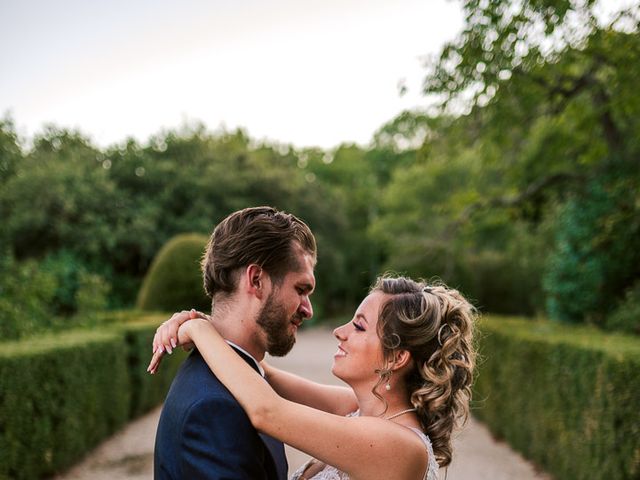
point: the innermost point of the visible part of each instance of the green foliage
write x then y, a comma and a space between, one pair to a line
598, 251
147, 391
174, 281
425, 231
60, 395
566, 397
91, 296
10, 153
550, 115
78, 290
26, 293
626, 317
109, 212
540, 101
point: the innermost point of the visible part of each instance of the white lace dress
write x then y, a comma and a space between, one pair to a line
332, 473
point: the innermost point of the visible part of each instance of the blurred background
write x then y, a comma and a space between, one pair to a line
491, 145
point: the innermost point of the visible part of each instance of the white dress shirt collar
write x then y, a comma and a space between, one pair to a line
260, 369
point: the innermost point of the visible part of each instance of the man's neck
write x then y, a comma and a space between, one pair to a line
239, 328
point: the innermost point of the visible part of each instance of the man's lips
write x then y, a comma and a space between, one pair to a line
297, 321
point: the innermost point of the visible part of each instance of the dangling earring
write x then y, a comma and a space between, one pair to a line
387, 387
385, 374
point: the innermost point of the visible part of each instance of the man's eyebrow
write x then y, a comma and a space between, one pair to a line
359, 315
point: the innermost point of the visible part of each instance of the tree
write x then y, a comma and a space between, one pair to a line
541, 102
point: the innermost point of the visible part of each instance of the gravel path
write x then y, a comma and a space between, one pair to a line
129, 453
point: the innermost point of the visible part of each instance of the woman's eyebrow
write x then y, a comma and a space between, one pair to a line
359, 315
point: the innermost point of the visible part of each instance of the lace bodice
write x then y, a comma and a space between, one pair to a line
332, 473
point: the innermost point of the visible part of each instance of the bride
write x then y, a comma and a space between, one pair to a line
408, 358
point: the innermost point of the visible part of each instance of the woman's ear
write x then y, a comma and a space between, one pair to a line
401, 359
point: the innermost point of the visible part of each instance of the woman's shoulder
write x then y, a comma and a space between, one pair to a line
402, 446
403, 433
432, 467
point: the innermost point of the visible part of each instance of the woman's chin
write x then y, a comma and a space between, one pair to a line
339, 373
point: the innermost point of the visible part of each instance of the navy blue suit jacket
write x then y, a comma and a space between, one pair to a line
204, 433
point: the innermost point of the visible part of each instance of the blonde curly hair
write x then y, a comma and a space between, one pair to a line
436, 325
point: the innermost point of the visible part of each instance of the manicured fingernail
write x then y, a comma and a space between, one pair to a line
174, 344
160, 348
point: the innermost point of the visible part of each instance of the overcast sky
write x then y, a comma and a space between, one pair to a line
295, 71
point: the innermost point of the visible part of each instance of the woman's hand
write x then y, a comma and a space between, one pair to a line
167, 336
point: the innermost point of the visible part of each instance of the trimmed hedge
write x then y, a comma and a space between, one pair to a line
175, 278
60, 395
147, 391
566, 397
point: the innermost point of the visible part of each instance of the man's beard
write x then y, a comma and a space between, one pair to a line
274, 322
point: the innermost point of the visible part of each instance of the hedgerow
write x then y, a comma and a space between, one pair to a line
60, 395
567, 397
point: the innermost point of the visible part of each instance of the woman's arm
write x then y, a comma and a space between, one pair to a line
166, 336
328, 398
364, 447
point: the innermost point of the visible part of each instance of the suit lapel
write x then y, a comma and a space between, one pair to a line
275, 447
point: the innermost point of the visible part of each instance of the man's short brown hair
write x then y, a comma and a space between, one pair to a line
259, 235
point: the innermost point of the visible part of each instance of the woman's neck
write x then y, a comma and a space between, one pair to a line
370, 405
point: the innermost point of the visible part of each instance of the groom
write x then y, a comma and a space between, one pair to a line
258, 269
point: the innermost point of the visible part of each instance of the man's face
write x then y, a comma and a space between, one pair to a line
287, 306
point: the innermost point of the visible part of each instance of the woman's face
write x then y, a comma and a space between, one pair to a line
359, 352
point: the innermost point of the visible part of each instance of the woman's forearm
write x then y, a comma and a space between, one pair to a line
328, 398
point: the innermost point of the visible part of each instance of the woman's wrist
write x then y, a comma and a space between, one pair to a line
187, 331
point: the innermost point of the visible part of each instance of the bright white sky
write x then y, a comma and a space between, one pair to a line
307, 72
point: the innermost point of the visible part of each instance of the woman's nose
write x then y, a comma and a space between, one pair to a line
338, 332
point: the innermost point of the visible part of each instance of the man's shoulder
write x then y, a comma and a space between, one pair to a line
197, 397
196, 381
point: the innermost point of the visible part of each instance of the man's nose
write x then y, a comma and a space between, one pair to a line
306, 309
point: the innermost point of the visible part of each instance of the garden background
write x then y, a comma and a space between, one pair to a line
521, 188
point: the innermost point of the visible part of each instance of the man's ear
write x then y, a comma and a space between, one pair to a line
255, 280
402, 358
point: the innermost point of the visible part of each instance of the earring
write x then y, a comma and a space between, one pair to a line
385, 374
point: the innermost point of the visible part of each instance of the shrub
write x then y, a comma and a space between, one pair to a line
61, 394
77, 289
566, 397
597, 252
147, 391
91, 295
501, 283
174, 280
627, 316
26, 293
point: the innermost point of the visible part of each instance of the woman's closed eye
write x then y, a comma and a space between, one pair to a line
357, 326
